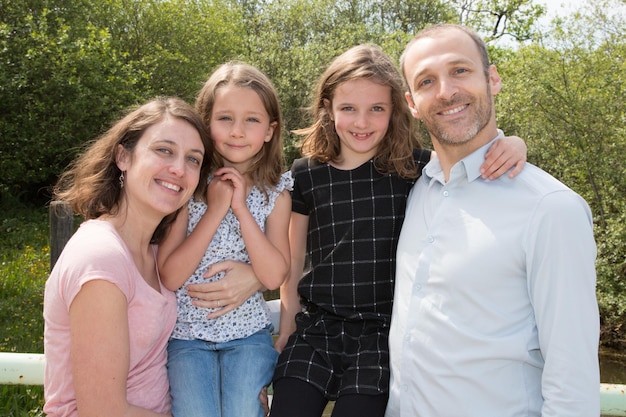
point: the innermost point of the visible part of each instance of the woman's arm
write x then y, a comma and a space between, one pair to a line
238, 284
179, 254
100, 352
289, 299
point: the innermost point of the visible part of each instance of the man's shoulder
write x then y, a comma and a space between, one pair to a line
539, 181
544, 187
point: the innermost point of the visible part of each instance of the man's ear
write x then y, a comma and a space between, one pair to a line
494, 80
412, 108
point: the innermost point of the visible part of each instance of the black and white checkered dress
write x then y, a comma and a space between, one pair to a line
341, 342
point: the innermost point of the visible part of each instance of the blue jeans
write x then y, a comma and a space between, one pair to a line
210, 379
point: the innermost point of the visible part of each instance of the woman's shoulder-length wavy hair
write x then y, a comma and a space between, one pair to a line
91, 183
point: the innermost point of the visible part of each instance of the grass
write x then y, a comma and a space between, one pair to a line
24, 267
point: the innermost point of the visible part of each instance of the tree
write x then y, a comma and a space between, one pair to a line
495, 19
172, 45
68, 68
55, 92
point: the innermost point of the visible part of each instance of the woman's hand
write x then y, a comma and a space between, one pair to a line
238, 284
263, 397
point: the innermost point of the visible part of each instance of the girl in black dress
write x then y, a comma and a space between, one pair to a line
361, 158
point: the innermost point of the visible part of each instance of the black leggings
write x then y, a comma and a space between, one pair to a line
296, 398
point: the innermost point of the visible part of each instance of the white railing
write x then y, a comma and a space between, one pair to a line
28, 369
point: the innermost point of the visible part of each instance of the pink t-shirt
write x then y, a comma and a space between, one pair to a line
96, 251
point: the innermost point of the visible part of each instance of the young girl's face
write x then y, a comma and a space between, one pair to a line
239, 125
361, 110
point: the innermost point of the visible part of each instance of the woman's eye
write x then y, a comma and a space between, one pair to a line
164, 150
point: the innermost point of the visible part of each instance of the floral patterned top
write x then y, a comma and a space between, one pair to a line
227, 244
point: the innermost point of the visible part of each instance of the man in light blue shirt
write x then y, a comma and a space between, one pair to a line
495, 313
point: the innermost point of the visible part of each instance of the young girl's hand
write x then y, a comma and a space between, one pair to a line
504, 154
238, 183
218, 197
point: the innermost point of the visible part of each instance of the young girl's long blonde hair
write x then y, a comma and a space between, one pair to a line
269, 164
367, 61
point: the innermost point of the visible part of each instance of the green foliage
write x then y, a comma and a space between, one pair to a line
24, 267
172, 45
66, 71
21, 401
56, 91
495, 19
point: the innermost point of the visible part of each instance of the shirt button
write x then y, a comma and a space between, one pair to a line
446, 193
431, 239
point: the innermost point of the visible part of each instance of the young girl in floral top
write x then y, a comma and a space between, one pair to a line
218, 366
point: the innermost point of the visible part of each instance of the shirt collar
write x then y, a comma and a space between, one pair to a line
468, 167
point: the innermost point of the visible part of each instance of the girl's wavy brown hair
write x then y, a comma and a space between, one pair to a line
367, 61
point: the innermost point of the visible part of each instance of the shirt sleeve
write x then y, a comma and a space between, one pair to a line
299, 170
561, 279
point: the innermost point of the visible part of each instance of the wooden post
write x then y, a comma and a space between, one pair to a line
61, 228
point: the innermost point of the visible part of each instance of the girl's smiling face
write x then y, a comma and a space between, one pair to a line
239, 125
361, 111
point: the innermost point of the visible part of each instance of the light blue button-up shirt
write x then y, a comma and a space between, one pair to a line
495, 311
